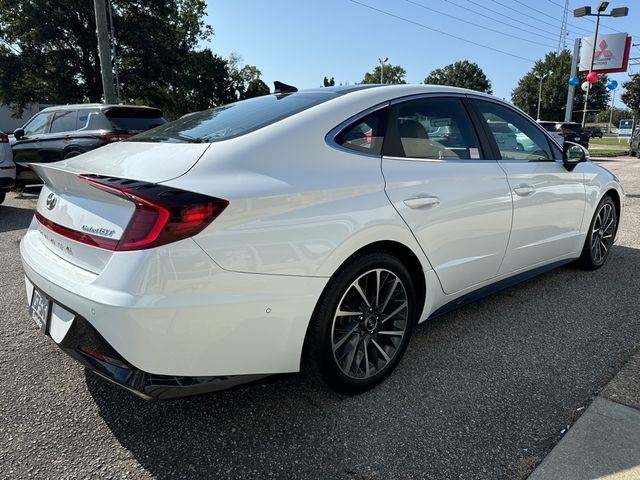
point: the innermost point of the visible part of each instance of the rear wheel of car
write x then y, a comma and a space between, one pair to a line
602, 231
362, 324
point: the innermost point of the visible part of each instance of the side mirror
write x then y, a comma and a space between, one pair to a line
18, 133
572, 154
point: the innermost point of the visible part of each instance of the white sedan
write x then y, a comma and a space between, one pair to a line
302, 230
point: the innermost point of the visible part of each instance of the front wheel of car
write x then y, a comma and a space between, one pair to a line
600, 236
362, 324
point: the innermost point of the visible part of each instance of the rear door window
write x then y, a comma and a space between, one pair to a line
64, 121
365, 135
437, 128
135, 119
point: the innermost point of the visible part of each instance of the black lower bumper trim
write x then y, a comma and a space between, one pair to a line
146, 385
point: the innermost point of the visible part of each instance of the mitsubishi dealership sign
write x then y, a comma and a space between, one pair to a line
611, 55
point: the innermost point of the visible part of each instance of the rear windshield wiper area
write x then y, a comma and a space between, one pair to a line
166, 137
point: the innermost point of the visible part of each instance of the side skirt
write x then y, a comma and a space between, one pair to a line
487, 290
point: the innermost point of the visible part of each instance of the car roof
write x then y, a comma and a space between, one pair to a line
94, 106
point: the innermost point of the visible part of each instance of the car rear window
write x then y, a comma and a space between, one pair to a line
571, 126
234, 119
548, 126
135, 119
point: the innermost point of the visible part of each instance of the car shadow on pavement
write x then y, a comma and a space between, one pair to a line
483, 392
13, 218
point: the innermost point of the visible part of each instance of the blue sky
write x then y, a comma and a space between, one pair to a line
299, 42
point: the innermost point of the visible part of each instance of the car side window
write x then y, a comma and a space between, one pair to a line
517, 138
432, 128
64, 121
366, 134
39, 124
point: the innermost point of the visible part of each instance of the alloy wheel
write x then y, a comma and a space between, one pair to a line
370, 323
602, 233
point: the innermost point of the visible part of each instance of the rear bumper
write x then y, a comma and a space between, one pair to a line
123, 374
175, 318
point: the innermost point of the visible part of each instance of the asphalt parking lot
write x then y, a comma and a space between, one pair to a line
483, 392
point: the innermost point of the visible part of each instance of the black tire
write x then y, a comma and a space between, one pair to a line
72, 153
602, 231
367, 344
3, 195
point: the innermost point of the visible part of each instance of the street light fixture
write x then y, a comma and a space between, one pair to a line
382, 62
541, 77
586, 12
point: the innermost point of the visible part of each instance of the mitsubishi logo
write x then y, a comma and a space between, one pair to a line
604, 50
51, 201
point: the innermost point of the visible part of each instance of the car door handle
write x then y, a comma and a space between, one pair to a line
524, 190
421, 201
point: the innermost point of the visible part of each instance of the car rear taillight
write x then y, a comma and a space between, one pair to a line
115, 137
4, 138
162, 214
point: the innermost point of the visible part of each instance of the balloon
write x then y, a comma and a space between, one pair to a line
612, 85
592, 77
573, 81
585, 86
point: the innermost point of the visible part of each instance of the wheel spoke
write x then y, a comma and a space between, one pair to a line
358, 288
392, 314
377, 287
341, 313
382, 352
397, 333
390, 294
345, 338
352, 355
366, 356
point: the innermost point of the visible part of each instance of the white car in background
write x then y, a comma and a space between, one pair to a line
7, 167
301, 230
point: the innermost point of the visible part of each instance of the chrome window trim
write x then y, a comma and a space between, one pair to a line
330, 137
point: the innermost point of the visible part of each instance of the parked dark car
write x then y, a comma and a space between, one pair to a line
567, 132
634, 143
594, 132
65, 131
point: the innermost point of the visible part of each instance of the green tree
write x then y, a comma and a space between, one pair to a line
56, 61
554, 89
391, 74
243, 76
256, 88
463, 74
328, 82
631, 96
618, 114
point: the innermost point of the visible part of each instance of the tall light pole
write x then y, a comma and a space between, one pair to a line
541, 77
382, 62
586, 12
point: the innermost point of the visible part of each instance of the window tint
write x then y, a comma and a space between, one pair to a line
432, 128
367, 134
517, 137
64, 121
39, 124
135, 119
233, 120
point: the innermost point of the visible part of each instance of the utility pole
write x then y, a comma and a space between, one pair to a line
562, 38
104, 51
593, 58
568, 112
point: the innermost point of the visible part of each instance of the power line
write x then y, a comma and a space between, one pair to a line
525, 14
593, 21
507, 16
548, 16
518, 27
477, 25
441, 32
